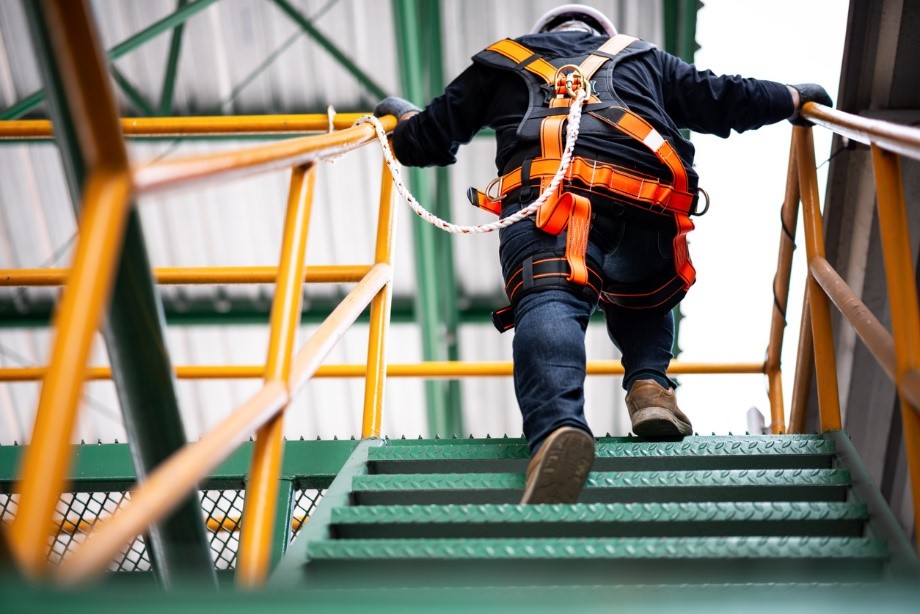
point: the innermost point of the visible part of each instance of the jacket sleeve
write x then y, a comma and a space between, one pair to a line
452, 119
705, 102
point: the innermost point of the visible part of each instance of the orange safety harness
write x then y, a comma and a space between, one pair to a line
566, 209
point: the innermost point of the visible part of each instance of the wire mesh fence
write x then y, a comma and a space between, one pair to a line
77, 513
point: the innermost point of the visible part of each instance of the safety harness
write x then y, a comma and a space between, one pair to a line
604, 112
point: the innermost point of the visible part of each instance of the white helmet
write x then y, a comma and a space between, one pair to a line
574, 12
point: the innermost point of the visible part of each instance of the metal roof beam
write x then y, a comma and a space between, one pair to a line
172, 66
352, 68
129, 44
131, 92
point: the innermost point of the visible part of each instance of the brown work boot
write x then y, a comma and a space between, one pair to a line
654, 413
560, 467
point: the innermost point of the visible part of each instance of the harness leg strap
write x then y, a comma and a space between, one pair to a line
543, 272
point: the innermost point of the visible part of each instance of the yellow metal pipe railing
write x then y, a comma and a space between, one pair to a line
789, 218
888, 136
878, 341
805, 361
106, 194
179, 475
183, 172
173, 276
380, 313
262, 488
237, 125
902, 297
887, 142
431, 369
823, 334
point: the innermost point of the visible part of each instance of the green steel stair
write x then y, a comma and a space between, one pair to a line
727, 511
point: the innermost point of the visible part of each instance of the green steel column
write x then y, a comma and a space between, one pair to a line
430, 16
680, 40
283, 515
129, 44
172, 66
137, 350
433, 269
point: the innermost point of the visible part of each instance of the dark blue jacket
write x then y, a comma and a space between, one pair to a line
663, 89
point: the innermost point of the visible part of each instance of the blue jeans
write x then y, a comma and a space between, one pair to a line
549, 339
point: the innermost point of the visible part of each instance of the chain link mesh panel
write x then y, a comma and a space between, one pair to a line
77, 513
305, 501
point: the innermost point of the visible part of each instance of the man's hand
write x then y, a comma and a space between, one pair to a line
807, 92
391, 105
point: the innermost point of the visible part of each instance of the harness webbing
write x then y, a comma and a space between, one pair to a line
565, 209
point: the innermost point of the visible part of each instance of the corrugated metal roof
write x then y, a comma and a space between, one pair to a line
248, 57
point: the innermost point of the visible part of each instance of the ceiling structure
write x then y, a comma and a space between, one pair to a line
254, 57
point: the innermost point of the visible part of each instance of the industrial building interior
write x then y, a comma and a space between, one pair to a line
244, 58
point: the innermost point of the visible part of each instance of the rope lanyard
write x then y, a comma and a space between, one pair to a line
574, 119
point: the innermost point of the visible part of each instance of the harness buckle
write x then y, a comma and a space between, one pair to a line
706, 208
569, 84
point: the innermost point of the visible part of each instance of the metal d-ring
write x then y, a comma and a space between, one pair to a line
706, 208
489, 189
569, 79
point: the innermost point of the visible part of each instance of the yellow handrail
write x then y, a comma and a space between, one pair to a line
898, 139
430, 369
237, 125
183, 172
169, 276
898, 353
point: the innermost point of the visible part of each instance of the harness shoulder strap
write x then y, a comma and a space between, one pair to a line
522, 58
607, 51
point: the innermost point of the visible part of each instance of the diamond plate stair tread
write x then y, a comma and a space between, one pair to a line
699, 453
601, 548
620, 487
600, 520
487, 441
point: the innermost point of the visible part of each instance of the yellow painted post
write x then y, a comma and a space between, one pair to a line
380, 313
788, 219
825, 363
804, 362
265, 470
902, 295
105, 206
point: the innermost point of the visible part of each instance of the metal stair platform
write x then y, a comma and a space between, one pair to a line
703, 511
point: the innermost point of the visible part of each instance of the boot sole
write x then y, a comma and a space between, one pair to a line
563, 469
659, 423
